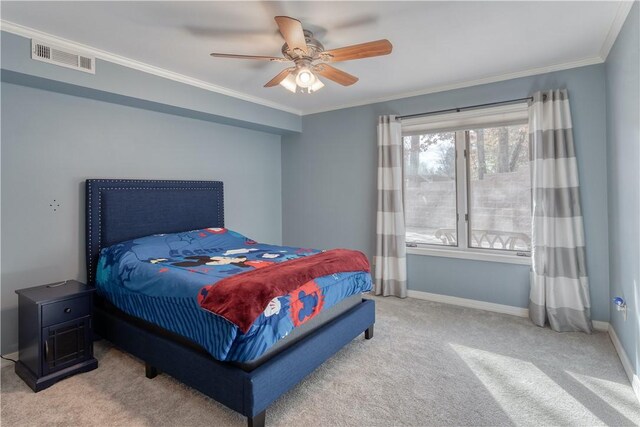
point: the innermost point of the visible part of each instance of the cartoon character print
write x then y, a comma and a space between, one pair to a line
273, 307
288, 256
239, 251
306, 302
232, 257
202, 294
260, 253
199, 260
276, 317
258, 263
114, 254
241, 261
305, 251
216, 230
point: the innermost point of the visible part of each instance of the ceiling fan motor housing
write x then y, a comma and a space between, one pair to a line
314, 47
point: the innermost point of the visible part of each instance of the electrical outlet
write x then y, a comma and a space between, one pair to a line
621, 305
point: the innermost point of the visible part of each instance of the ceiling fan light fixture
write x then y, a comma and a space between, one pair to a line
316, 86
289, 83
308, 83
305, 78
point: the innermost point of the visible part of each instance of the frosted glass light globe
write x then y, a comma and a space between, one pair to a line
305, 78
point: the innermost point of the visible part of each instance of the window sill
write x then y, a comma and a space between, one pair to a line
471, 255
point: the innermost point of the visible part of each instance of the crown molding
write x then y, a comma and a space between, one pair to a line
624, 7
467, 83
618, 21
621, 14
103, 55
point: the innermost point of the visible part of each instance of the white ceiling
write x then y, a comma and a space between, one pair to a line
436, 44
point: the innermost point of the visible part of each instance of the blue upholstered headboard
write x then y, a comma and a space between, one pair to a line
124, 209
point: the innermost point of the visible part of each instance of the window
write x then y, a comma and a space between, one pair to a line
467, 183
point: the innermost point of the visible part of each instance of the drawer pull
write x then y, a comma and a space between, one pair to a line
65, 310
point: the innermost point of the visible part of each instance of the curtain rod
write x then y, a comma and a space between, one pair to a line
469, 107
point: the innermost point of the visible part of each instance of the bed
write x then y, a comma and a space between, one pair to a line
121, 210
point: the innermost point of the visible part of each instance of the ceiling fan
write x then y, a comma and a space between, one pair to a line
310, 59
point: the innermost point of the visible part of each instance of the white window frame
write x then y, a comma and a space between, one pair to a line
461, 122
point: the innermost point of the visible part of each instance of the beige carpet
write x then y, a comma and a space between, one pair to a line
428, 364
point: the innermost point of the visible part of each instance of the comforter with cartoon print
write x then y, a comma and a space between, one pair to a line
160, 279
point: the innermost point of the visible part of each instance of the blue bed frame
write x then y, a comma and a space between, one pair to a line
118, 210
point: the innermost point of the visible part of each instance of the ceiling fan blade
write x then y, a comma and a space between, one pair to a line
280, 77
332, 73
260, 58
291, 30
358, 51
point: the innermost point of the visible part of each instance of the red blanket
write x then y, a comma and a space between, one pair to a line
243, 297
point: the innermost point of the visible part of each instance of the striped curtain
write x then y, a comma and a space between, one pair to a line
559, 283
390, 260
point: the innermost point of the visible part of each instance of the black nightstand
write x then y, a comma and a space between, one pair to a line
55, 336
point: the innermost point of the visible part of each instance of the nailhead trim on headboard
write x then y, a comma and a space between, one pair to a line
135, 185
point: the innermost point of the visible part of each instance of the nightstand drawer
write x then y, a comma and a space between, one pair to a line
63, 311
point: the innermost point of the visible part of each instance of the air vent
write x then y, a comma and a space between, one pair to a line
46, 52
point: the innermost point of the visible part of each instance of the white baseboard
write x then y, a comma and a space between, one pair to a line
470, 303
599, 325
626, 363
13, 356
487, 306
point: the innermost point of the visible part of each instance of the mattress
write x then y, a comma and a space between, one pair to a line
158, 279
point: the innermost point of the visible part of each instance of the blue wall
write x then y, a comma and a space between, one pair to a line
329, 186
126, 86
115, 125
623, 128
